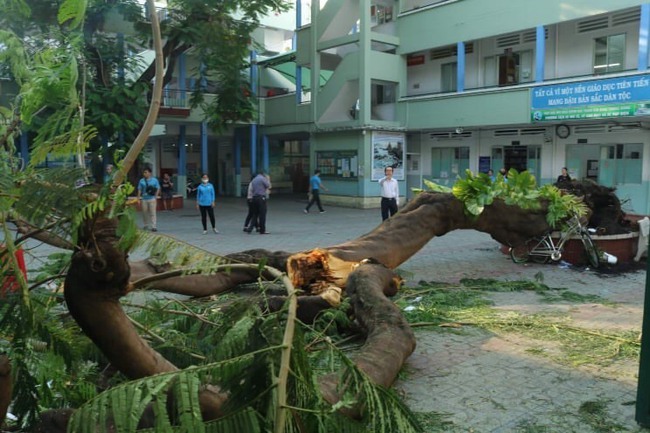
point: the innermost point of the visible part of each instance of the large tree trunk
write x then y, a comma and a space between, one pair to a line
98, 277
398, 238
389, 338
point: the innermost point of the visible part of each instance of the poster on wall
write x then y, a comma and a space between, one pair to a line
388, 150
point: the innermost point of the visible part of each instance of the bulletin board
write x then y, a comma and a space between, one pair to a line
338, 164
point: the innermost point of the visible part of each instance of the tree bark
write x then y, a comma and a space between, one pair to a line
399, 237
389, 338
98, 277
6, 387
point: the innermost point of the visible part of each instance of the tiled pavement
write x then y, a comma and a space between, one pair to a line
484, 383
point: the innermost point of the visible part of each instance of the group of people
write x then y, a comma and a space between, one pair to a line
502, 172
389, 191
150, 189
258, 192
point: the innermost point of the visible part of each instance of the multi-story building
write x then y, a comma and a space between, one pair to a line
437, 87
432, 88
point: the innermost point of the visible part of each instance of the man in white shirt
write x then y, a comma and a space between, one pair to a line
389, 194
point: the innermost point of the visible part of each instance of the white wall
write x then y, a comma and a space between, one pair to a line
568, 54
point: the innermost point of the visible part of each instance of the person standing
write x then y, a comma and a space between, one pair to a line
167, 192
148, 193
504, 173
108, 174
205, 200
564, 177
249, 202
389, 194
316, 185
260, 186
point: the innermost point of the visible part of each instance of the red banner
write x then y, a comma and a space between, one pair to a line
415, 60
9, 283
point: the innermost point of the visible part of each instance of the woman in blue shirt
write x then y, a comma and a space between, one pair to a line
205, 197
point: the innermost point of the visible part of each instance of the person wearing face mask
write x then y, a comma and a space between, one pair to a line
205, 197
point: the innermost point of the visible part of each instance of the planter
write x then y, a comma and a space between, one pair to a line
622, 246
177, 203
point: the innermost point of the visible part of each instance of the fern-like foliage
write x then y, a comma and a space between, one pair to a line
238, 349
49, 198
63, 144
167, 249
52, 361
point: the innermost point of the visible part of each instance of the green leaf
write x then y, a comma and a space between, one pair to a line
72, 12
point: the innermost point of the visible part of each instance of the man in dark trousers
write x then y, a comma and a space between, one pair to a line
316, 185
389, 194
260, 186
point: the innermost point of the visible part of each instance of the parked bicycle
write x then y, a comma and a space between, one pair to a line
542, 249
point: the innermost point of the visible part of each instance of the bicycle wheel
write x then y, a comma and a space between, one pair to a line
519, 254
590, 249
539, 251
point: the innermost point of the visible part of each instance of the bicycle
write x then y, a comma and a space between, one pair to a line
542, 249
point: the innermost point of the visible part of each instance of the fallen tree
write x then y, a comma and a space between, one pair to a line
100, 274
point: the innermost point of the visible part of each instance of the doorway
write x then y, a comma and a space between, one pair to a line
515, 157
521, 158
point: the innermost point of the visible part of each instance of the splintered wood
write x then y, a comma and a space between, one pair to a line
317, 272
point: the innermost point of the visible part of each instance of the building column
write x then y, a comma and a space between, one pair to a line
540, 51
181, 177
204, 147
265, 153
460, 69
294, 46
237, 161
644, 36
182, 77
253, 75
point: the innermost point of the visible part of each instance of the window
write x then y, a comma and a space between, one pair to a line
383, 92
508, 68
620, 164
449, 163
521, 158
383, 101
448, 74
609, 54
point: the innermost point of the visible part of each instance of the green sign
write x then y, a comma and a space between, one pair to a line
592, 99
591, 112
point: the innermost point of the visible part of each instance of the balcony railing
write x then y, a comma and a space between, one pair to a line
176, 98
524, 84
